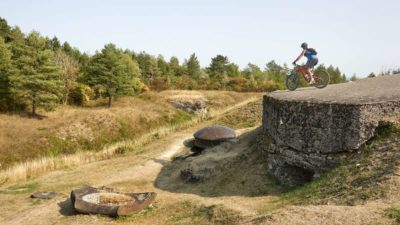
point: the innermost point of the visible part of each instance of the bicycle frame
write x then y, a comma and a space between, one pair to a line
303, 71
321, 77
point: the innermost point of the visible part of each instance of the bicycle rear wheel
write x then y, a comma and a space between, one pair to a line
321, 78
292, 81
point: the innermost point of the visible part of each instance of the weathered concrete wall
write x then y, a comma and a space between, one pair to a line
311, 129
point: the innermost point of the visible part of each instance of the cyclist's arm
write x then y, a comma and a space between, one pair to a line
301, 55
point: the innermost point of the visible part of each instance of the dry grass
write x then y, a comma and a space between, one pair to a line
29, 169
70, 129
39, 166
151, 103
247, 116
184, 212
184, 95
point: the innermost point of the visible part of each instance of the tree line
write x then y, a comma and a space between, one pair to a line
40, 72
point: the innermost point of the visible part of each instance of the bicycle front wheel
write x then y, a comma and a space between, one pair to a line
321, 78
292, 81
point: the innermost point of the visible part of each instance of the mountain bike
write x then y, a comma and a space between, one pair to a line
321, 77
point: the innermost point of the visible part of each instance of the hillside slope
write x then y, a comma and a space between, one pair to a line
71, 129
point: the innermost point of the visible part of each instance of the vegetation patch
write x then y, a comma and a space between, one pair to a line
122, 150
214, 214
384, 130
21, 188
393, 213
149, 211
358, 178
59, 146
249, 115
217, 214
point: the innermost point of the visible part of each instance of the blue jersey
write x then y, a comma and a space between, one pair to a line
309, 55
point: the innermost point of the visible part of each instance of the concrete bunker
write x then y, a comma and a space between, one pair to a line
310, 130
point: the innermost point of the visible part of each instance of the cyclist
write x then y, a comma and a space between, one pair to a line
312, 60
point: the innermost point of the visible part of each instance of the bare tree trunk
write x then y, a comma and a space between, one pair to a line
33, 107
65, 100
109, 101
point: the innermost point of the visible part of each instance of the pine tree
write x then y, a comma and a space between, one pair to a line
112, 73
232, 70
37, 79
335, 75
55, 43
16, 35
193, 67
5, 30
275, 72
175, 69
148, 66
253, 72
218, 67
162, 66
82, 59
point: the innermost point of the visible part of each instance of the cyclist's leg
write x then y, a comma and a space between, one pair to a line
310, 69
314, 63
308, 72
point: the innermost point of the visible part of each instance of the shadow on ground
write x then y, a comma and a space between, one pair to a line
230, 169
66, 208
28, 115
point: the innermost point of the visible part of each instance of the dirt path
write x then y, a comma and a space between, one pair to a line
152, 167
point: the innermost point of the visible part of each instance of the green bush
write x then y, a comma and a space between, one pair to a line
81, 95
138, 85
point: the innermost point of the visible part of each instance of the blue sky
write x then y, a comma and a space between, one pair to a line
357, 36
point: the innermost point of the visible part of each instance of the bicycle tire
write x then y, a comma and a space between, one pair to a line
292, 81
322, 78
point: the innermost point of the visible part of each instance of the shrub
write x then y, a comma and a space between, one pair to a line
267, 86
185, 82
81, 94
139, 86
237, 84
159, 84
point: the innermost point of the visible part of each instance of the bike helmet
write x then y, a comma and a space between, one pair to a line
304, 45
